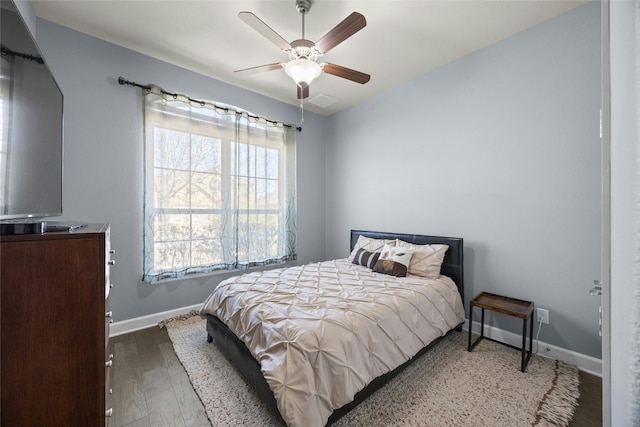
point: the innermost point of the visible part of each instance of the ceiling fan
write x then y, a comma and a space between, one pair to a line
302, 66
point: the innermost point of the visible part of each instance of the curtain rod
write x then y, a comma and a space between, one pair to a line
125, 82
9, 52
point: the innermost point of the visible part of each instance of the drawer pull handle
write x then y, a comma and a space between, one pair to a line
108, 412
108, 363
108, 314
112, 262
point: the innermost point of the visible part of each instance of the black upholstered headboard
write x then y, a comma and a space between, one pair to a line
452, 265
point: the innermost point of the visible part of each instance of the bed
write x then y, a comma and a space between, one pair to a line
316, 340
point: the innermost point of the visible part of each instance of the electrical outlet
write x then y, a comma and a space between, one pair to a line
542, 315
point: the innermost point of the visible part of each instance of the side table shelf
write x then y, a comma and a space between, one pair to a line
511, 307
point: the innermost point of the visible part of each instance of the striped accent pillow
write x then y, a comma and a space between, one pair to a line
365, 258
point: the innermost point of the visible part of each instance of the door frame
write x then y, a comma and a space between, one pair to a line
605, 267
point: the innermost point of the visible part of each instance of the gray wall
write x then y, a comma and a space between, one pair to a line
103, 164
500, 148
28, 15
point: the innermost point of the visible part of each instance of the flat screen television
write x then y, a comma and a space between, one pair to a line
31, 126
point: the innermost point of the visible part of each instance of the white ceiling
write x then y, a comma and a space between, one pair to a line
402, 39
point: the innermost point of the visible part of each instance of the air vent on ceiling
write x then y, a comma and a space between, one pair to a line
322, 100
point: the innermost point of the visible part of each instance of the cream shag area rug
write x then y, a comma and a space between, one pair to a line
446, 386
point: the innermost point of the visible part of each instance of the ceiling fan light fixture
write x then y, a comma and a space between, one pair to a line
303, 71
303, 67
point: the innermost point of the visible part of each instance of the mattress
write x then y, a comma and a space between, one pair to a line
321, 332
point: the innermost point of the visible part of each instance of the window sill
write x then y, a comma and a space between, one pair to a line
220, 273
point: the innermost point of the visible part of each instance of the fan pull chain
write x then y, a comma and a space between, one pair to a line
302, 111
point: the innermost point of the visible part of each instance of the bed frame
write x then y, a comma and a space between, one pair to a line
242, 358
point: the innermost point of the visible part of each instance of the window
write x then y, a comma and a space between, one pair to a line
219, 189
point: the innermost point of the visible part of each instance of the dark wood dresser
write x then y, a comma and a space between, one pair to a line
54, 327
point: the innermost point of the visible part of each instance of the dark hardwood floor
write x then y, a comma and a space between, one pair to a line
151, 388
589, 411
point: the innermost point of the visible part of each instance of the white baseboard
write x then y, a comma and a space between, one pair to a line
144, 322
583, 362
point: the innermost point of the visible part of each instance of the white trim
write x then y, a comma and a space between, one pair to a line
583, 362
144, 322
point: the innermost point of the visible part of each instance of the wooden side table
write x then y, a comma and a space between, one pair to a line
511, 307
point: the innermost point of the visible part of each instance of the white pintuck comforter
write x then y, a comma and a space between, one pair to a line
323, 331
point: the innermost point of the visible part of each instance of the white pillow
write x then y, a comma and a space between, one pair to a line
426, 260
370, 245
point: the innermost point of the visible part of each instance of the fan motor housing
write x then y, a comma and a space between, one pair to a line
304, 48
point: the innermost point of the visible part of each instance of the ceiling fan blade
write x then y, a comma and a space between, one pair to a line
257, 24
261, 68
346, 73
303, 92
348, 27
